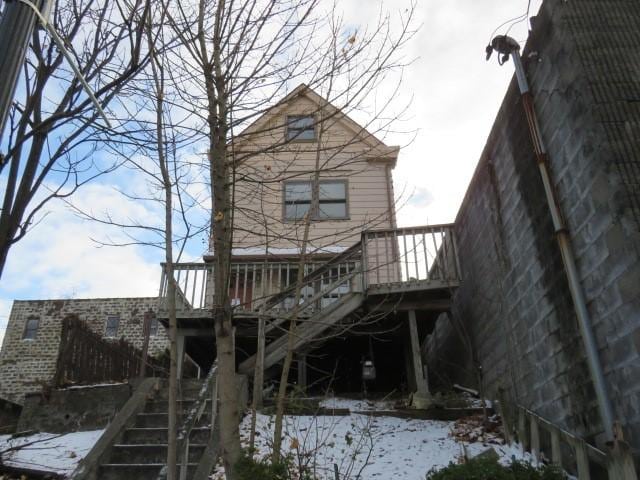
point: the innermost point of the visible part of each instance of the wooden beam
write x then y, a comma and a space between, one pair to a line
421, 383
438, 305
302, 371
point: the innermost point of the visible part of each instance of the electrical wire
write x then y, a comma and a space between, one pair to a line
525, 17
511, 22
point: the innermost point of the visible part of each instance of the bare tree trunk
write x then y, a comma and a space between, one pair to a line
218, 111
284, 377
167, 184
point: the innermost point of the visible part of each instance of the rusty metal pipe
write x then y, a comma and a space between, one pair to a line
566, 250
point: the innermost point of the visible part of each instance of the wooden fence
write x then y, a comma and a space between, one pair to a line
85, 357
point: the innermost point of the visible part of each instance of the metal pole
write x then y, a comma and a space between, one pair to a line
564, 242
16, 27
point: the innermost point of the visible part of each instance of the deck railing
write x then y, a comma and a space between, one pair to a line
410, 254
255, 284
394, 256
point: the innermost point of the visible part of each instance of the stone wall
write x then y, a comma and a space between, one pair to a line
513, 324
28, 365
73, 409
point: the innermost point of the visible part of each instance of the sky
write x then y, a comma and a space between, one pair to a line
453, 96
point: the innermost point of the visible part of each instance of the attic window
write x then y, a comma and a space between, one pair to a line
31, 329
111, 327
301, 127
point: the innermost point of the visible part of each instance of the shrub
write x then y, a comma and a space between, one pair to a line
490, 469
248, 468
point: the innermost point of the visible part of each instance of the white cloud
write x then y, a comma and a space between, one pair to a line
59, 259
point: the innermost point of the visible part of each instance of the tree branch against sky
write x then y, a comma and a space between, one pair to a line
454, 96
53, 139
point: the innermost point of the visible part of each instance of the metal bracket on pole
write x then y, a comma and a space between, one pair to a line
43, 18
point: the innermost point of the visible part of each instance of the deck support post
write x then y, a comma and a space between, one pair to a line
422, 397
258, 373
180, 340
302, 371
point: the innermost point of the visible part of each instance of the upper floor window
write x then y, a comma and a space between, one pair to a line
332, 200
31, 329
301, 127
111, 327
153, 327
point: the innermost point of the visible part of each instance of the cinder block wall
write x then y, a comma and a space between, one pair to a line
514, 313
27, 365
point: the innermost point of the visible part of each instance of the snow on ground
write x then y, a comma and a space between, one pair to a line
366, 447
357, 405
48, 451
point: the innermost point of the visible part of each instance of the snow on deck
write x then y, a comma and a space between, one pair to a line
48, 451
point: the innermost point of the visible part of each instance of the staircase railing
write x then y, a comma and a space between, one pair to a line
209, 388
526, 426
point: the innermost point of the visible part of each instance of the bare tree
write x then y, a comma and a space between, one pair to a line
229, 64
53, 129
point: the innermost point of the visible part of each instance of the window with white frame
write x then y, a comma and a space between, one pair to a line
111, 327
31, 329
332, 200
301, 127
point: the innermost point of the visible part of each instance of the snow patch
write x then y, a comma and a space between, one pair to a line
367, 447
58, 453
357, 405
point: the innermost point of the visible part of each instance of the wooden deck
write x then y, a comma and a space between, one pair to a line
386, 271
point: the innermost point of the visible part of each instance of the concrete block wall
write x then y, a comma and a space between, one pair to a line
513, 323
26, 365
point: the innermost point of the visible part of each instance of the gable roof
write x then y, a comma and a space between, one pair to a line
382, 151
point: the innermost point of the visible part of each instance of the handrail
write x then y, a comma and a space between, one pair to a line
314, 275
401, 230
195, 413
317, 296
618, 460
88, 466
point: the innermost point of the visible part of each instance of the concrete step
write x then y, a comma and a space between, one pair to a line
150, 453
153, 435
130, 471
187, 392
160, 406
160, 419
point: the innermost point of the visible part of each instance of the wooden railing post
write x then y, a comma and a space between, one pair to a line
535, 437
621, 465
364, 262
522, 429
556, 452
582, 460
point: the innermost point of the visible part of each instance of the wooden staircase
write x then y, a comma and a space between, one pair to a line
307, 330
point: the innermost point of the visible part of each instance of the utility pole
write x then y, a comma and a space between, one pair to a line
507, 48
16, 27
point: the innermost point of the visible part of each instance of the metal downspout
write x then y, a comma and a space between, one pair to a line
568, 259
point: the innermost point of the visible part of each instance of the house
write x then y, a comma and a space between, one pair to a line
32, 341
370, 289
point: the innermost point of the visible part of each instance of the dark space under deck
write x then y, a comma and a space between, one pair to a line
335, 363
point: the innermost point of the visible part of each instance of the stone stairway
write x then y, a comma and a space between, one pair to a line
141, 451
